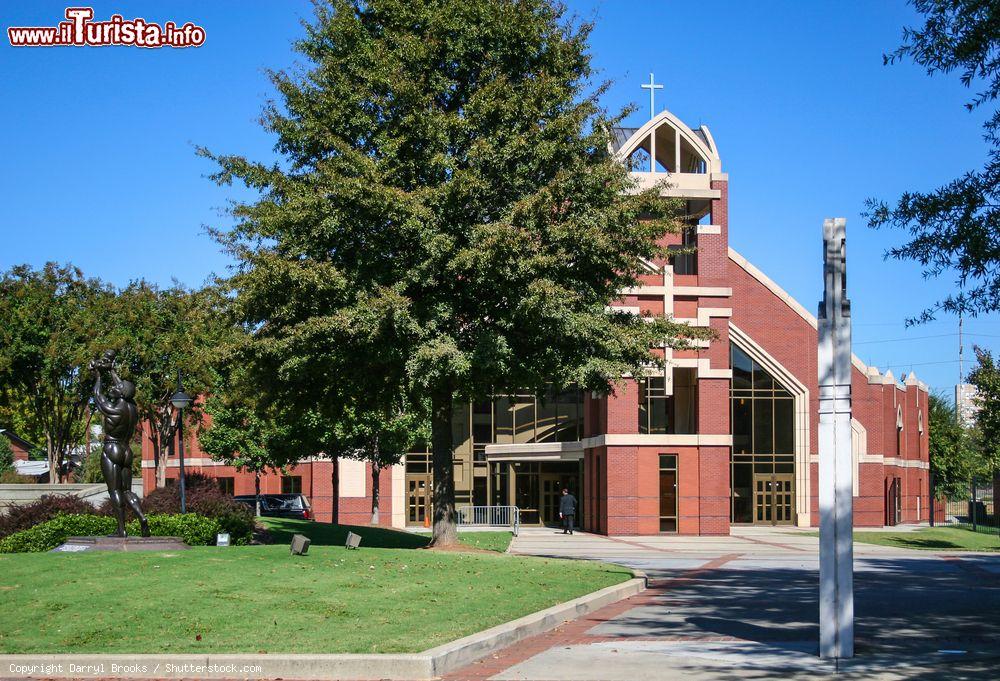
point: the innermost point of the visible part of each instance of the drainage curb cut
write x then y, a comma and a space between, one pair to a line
416, 666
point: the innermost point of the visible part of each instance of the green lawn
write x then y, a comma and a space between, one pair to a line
324, 534
261, 599
931, 539
488, 540
986, 526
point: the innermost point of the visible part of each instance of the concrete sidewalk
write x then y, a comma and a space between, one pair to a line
746, 606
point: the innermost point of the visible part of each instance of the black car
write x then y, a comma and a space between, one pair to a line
280, 505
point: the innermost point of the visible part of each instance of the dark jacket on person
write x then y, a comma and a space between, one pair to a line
567, 504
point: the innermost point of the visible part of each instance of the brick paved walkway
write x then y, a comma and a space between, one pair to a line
745, 606
576, 631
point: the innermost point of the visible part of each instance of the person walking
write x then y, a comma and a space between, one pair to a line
567, 511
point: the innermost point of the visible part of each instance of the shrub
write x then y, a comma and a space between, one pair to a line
204, 497
194, 529
45, 508
198, 489
50, 534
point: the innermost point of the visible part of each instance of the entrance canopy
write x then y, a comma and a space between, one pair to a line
535, 451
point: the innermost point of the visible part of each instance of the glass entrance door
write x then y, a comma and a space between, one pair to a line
773, 499
418, 499
526, 496
552, 486
551, 491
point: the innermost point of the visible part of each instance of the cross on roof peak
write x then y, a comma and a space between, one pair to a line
652, 87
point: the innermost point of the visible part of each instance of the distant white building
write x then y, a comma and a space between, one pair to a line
966, 403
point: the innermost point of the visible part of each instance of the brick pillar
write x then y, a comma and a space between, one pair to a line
622, 483
385, 496
713, 249
623, 409
713, 461
623, 488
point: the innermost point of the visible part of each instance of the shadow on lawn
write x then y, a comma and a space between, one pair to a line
326, 534
917, 543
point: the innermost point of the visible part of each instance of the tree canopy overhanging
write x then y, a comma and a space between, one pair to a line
447, 221
956, 227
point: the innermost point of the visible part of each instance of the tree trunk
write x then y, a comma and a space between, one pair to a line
160, 467
163, 449
50, 452
335, 491
85, 444
256, 493
444, 531
375, 476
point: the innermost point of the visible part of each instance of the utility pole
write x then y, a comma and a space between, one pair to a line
836, 467
961, 371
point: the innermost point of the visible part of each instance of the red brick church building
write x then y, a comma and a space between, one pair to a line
726, 435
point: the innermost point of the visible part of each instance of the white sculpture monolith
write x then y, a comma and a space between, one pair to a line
836, 468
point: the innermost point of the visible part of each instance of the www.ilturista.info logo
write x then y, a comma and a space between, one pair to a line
80, 30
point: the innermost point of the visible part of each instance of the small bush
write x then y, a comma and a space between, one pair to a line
45, 508
198, 489
193, 529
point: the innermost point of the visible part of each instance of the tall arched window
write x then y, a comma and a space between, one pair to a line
763, 458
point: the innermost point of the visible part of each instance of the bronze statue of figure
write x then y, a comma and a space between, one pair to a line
120, 419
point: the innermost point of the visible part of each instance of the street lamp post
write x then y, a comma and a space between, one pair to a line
181, 401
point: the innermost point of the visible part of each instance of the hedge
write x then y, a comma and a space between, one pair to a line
204, 498
194, 529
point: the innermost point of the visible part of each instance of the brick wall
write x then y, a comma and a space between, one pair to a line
791, 340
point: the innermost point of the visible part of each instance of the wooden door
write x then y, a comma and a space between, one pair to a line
774, 499
784, 499
668, 500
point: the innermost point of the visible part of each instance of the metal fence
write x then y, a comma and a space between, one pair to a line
490, 516
977, 512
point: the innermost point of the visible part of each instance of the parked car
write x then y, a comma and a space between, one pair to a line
280, 505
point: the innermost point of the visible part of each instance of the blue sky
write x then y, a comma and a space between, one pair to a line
98, 164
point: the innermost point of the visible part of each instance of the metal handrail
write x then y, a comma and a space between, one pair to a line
490, 516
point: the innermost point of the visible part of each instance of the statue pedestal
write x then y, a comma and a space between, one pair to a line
78, 544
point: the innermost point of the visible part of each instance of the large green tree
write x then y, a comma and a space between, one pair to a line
955, 457
380, 437
986, 377
237, 435
956, 227
49, 320
447, 220
252, 434
159, 332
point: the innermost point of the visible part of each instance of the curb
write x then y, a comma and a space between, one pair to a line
457, 654
410, 667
